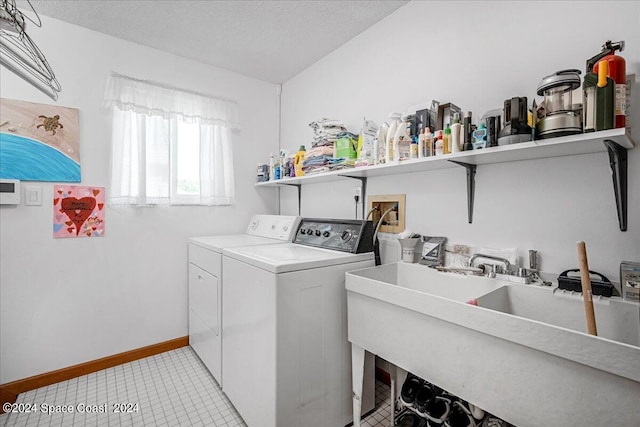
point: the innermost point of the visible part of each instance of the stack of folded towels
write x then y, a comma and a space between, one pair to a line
316, 159
322, 157
325, 131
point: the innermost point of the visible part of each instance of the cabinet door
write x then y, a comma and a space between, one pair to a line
204, 297
207, 345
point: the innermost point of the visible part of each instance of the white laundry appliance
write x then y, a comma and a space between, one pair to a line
205, 281
287, 360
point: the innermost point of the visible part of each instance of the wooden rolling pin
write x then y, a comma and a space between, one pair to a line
586, 289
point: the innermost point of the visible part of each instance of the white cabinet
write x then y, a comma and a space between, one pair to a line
205, 311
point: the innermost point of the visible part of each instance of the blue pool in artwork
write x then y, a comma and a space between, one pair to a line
30, 160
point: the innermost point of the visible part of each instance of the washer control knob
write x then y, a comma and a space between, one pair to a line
303, 231
326, 234
318, 233
346, 236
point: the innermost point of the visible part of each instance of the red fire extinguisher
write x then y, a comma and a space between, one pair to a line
617, 72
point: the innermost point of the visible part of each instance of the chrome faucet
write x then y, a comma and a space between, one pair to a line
507, 264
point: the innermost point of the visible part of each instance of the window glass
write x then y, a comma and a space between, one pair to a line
188, 159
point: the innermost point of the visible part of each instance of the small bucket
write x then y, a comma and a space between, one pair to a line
408, 248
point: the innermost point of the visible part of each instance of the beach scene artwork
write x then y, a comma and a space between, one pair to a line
78, 211
39, 142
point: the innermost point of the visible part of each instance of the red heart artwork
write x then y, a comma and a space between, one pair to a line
78, 210
96, 192
55, 201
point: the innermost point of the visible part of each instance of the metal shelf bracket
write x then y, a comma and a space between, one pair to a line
618, 163
471, 186
363, 183
299, 187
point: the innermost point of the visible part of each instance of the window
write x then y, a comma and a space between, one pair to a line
169, 147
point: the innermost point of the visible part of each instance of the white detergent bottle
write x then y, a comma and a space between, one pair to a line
391, 148
455, 134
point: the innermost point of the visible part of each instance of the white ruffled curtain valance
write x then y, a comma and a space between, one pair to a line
156, 99
147, 145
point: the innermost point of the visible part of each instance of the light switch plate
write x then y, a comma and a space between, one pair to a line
32, 195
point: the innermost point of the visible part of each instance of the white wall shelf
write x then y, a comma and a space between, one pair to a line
614, 141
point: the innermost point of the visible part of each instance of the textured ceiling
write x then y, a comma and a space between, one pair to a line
268, 40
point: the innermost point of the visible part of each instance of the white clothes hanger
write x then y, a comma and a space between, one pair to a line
20, 54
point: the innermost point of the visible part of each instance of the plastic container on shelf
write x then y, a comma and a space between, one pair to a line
298, 161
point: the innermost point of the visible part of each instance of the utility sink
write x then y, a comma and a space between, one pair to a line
412, 280
521, 353
616, 319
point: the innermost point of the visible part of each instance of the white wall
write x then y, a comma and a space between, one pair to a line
68, 301
476, 55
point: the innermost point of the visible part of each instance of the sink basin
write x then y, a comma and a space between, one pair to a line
416, 279
616, 319
522, 353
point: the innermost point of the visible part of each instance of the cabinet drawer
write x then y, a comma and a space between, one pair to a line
204, 297
205, 259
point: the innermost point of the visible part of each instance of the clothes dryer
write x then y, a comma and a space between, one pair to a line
206, 281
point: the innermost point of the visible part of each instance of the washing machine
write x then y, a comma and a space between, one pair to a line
287, 360
206, 281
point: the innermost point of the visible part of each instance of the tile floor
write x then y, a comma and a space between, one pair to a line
170, 389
